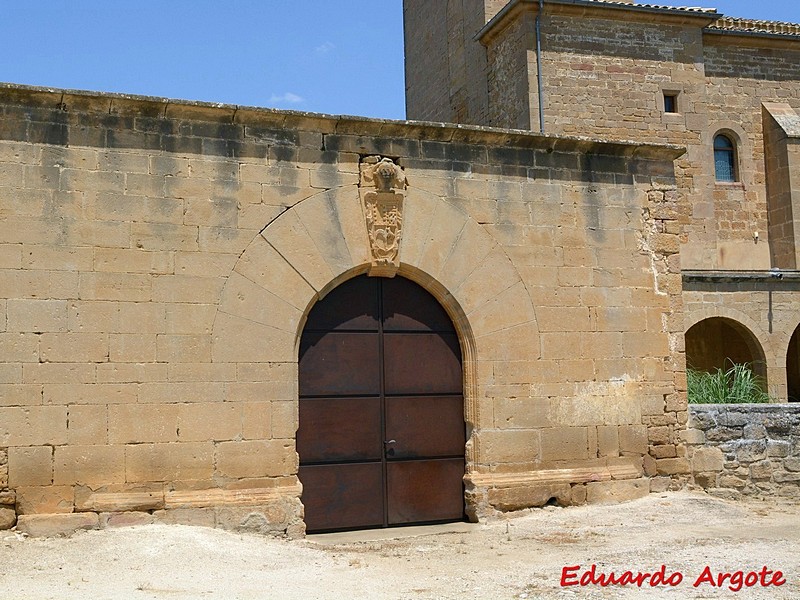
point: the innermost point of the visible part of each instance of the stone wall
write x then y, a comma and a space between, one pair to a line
745, 449
605, 70
159, 258
445, 68
508, 80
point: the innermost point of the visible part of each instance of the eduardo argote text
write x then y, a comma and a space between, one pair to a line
734, 581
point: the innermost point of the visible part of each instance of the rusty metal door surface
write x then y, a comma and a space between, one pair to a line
381, 436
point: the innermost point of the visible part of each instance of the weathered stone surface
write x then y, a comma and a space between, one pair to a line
731, 481
275, 518
616, 491
517, 498
201, 517
660, 484
754, 431
778, 448
649, 465
785, 477
723, 434
761, 471
792, 464
758, 464
751, 451
578, 495
673, 466
45, 499
56, 525
120, 498
707, 459
665, 451
151, 338
706, 480
8, 518
125, 519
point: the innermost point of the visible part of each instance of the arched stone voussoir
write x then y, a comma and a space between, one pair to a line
503, 312
441, 238
333, 222
292, 241
510, 344
244, 298
446, 226
491, 276
236, 339
469, 251
264, 266
418, 210
322, 236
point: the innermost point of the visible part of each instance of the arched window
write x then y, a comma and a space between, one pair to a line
725, 159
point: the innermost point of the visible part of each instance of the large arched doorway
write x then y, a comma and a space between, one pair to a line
718, 342
382, 434
793, 367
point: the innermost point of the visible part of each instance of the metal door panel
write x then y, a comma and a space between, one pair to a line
339, 364
408, 307
427, 363
339, 429
353, 305
425, 490
425, 426
342, 496
379, 361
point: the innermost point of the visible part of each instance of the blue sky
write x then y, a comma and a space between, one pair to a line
332, 56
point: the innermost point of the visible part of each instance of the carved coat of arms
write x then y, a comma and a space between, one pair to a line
384, 214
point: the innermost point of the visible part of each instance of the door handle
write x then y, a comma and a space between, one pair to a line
388, 451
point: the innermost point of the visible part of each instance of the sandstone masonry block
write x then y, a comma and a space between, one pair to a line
125, 519
209, 421
8, 518
521, 446
89, 465
564, 443
599, 492
48, 499
74, 347
30, 466
33, 425
36, 315
132, 423
707, 459
255, 458
673, 466
184, 461
56, 525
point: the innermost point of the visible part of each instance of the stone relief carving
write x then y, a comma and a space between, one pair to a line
383, 209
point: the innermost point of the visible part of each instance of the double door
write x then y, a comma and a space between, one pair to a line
381, 436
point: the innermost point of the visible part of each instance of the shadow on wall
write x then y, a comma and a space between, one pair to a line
718, 342
793, 367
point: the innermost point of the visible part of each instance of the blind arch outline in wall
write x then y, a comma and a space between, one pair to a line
321, 241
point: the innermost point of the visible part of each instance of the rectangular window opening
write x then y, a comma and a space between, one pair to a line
670, 103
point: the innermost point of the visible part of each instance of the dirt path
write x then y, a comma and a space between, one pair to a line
519, 557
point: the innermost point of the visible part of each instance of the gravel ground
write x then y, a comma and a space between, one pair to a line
521, 556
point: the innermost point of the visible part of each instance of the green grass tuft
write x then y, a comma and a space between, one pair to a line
737, 385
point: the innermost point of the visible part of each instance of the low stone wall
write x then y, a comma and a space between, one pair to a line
745, 449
